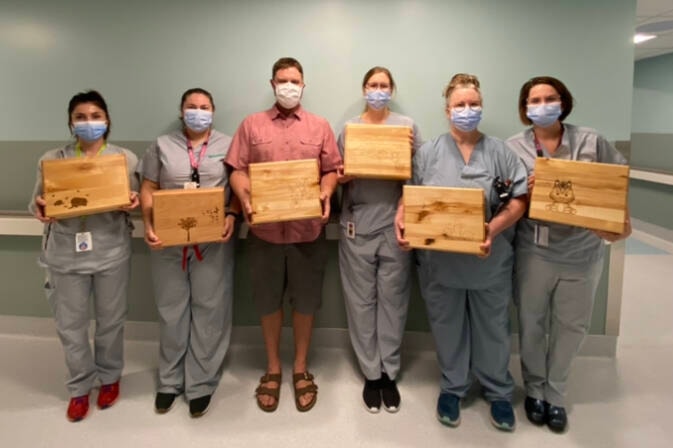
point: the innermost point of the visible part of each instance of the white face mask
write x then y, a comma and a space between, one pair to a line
288, 95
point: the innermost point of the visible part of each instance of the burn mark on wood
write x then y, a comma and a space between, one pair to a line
429, 241
212, 214
187, 224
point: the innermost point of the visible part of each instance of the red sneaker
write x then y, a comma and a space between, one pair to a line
78, 408
108, 395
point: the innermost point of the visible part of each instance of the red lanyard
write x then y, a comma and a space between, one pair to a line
190, 150
538, 147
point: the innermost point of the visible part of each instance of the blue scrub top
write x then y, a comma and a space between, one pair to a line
439, 163
568, 245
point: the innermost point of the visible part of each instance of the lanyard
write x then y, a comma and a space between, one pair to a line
541, 152
78, 149
190, 149
538, 147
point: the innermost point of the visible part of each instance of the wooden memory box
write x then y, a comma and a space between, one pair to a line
446, 219
285, 191
377, 151
185, 217
583, 194
85, 185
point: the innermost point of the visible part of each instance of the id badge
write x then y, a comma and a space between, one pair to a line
190, 185
541, 235
83, 242
350, 229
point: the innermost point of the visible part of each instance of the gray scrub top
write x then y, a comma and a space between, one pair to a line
371, 204
167, 163
110, 231
439, 163
566, 244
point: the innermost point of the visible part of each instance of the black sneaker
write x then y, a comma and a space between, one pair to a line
536, 410
557, 420
371, 394
199, 406
164, 402
390, 394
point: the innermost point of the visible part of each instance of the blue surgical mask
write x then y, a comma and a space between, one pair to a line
198, 120
544, 115
89, 131
377, 99
466, 119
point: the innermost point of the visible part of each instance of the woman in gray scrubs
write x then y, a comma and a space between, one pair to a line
466, 296
558, 267
193, 285
374, 270
88, 256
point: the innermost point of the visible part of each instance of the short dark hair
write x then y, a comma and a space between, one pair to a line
374, 70
196, 90
89, 96
566, 97
284, 63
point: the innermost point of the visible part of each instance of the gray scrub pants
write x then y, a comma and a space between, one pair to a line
68, 296
195, 311
563, 296
471, 332
375, 281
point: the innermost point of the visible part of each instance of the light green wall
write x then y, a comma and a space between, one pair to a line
651, 202
653, 97
652, 138
23, 295
141, 55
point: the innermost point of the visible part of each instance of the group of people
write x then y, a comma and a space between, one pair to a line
550, 270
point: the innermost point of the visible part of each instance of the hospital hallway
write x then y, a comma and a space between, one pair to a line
621, 402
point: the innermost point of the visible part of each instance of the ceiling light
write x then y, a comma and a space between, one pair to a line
640, 38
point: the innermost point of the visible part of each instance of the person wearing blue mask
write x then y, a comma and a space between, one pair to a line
85, 257
193, 285
557, 267
375, 272
466, 296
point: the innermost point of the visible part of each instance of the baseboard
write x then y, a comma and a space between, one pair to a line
21, 326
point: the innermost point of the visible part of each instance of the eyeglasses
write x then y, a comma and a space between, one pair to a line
377, 86
195, 176
462, 107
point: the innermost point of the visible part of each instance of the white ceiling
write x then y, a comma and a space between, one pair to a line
654, 11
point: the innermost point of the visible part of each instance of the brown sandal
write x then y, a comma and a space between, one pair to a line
273, 393
301, 391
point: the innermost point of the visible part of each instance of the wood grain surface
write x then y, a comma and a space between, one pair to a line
85, 185
445, 219
182, 217
285, 191
377, 151
583, 194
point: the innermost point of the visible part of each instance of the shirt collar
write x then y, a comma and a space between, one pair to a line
275, 113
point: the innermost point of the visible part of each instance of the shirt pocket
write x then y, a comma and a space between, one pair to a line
309, 147
261, 148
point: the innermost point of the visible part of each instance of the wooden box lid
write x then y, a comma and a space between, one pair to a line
446, 219
285, 191
583, 194
183, 217
377, 151
85, 185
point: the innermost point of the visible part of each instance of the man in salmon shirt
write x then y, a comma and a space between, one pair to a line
286, 257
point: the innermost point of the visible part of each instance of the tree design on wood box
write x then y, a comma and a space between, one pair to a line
187, 224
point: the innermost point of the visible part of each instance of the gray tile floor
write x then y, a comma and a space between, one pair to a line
621, 402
